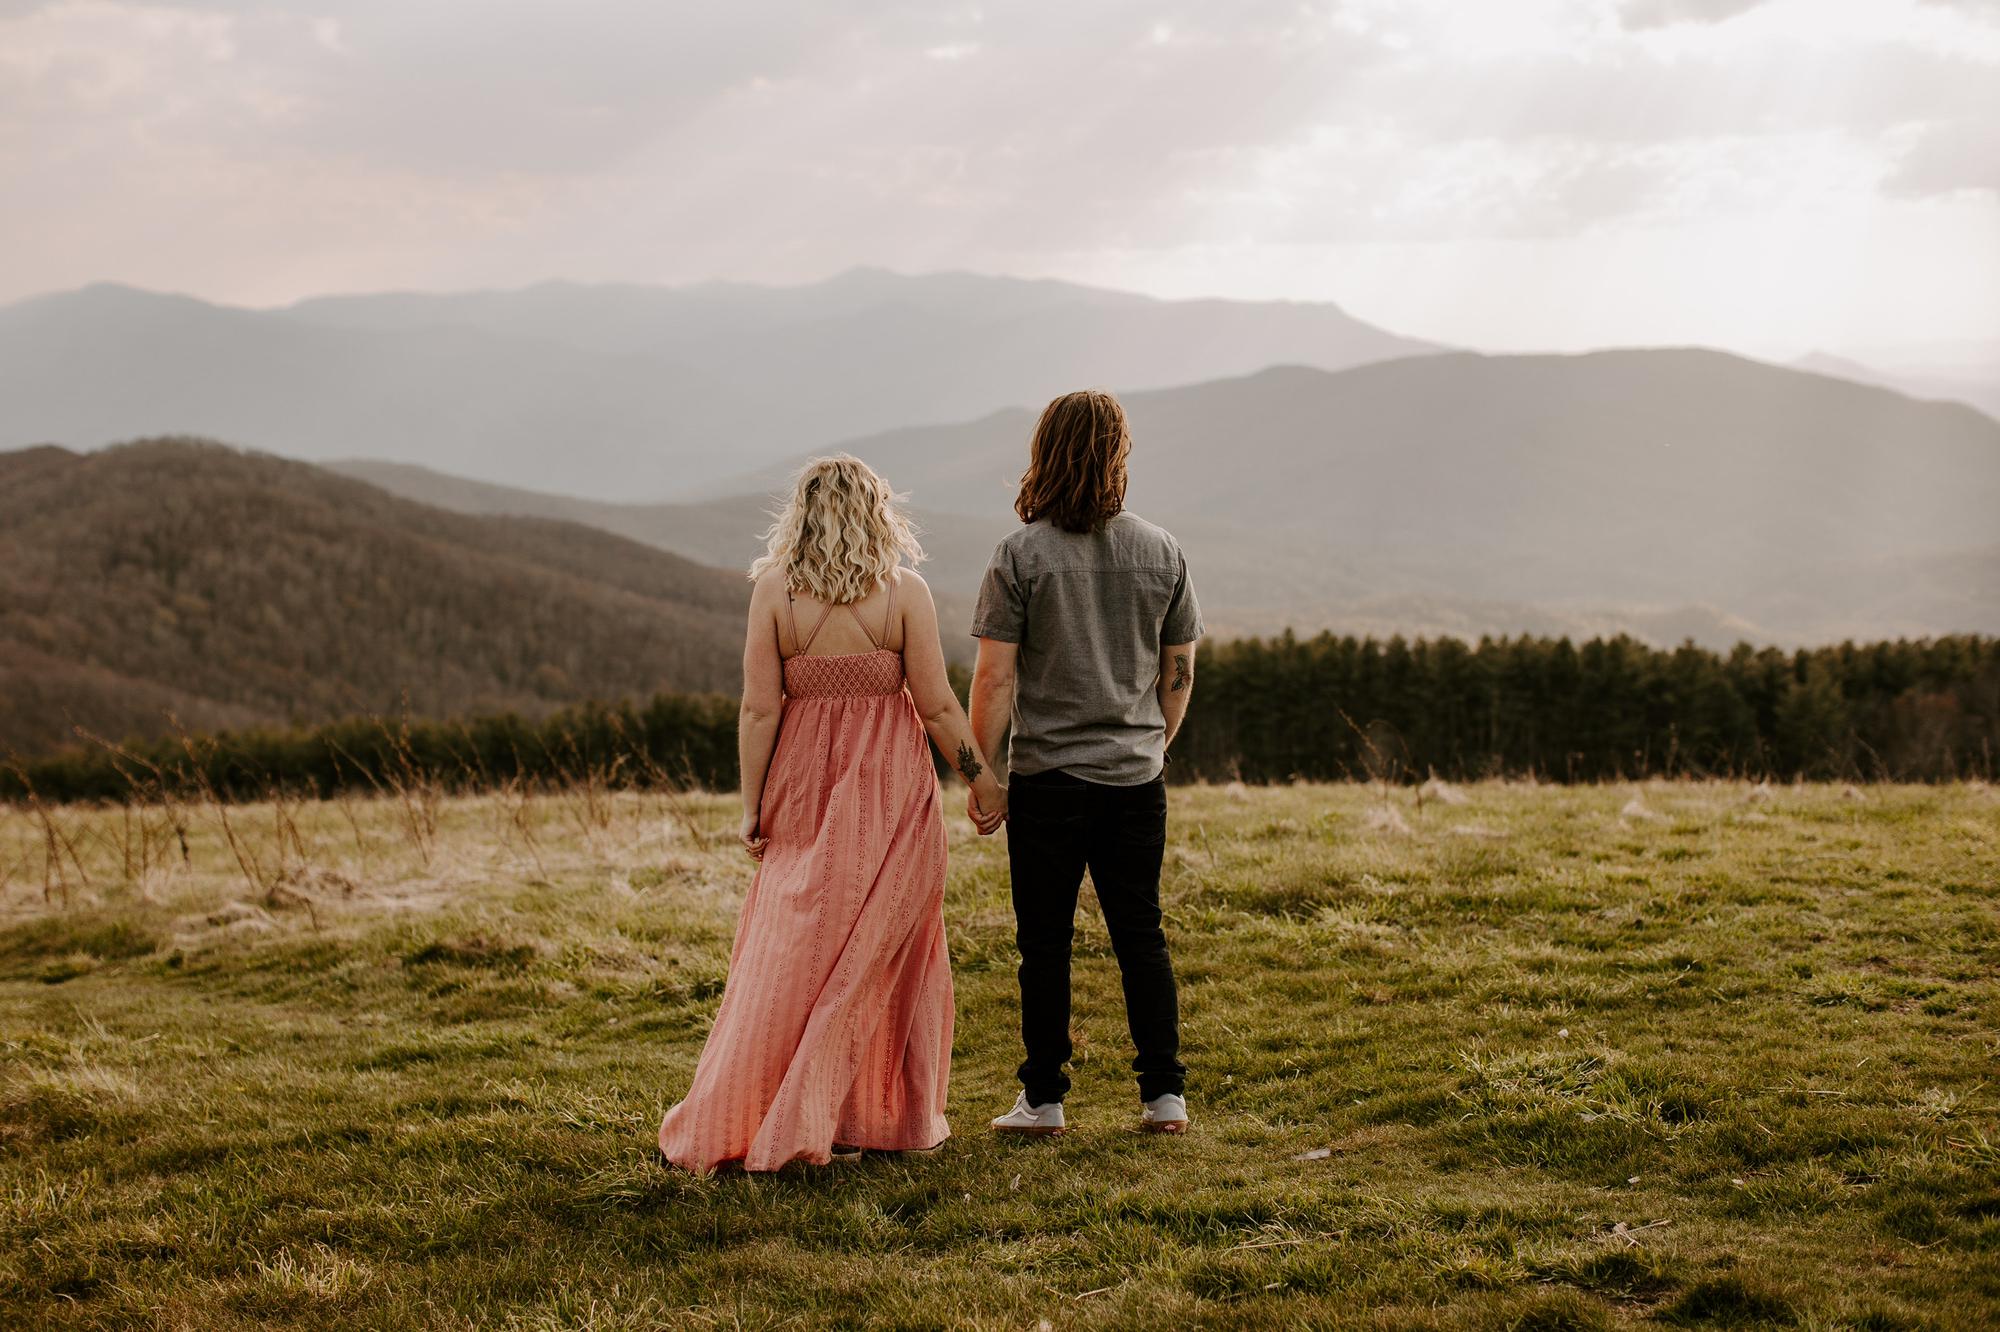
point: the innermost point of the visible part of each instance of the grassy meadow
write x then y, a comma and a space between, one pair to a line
1512, 1056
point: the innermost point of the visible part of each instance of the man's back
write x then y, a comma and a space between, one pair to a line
1090, 612
1081, 610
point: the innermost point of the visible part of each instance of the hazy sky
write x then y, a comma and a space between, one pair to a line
1767, 174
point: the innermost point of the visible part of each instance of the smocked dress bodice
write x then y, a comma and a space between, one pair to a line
846, 675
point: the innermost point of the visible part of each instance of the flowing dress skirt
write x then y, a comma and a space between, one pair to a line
836, 1021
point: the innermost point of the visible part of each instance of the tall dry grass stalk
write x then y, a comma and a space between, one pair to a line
416, 791
247, 861
57, 843
513, 804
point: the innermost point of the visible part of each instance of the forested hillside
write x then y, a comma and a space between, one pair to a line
235, 588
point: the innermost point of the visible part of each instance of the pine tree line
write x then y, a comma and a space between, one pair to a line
1322, 708
1331, 707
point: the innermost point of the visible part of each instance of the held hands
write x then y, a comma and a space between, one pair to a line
986, 806
753, 841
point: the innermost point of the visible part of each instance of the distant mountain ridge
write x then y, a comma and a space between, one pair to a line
1974, 393
727, 533
618, 392
1669, 493
233, 588
1659, 479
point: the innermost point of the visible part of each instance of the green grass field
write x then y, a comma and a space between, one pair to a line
1681, 1055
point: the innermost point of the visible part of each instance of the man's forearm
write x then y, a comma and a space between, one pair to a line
992, 709
1175, 707
1176, 687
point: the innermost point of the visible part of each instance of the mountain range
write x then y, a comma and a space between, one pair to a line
521, 499
618, 391
1669, 493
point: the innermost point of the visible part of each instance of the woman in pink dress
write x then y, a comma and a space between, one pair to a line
834, 1032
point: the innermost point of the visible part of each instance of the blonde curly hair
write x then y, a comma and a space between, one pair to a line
840, 534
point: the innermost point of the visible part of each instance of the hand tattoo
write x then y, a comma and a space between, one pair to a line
968, 762
1181, 676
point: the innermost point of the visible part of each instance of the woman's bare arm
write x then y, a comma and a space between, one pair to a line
944, 719
763, 704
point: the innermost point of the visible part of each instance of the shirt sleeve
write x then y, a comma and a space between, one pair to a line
1002, 609
1183, 619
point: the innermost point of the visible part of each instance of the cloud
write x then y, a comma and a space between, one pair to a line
1635, 96
1665, 13
251, 147
1946, 159
460, 87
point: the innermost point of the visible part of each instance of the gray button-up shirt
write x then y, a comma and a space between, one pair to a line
1091, 612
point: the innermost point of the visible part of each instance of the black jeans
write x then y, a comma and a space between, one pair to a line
1057, 825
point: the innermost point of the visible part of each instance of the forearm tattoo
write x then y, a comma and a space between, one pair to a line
968, 762
1181, 676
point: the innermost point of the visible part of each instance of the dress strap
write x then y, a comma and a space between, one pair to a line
806, 642
792, 617
880, 641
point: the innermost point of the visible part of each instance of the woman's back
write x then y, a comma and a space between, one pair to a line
817, 628
822, 657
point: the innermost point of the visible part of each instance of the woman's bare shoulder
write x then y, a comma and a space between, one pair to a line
913, 590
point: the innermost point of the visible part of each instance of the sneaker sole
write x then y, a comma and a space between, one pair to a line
1175, 1126
1034, 1132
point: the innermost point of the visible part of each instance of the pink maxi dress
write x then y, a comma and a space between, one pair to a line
836, 1021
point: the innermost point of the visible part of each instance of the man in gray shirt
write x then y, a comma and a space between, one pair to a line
1087, 626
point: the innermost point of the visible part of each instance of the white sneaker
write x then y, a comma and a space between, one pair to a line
1164, 1114
1046, 1120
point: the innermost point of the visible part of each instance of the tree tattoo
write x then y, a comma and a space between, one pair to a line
968, 762
1181, 676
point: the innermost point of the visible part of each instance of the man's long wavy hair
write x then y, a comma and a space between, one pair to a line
840, 534
1076, 465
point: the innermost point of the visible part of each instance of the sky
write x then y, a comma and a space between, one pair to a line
1768, 175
